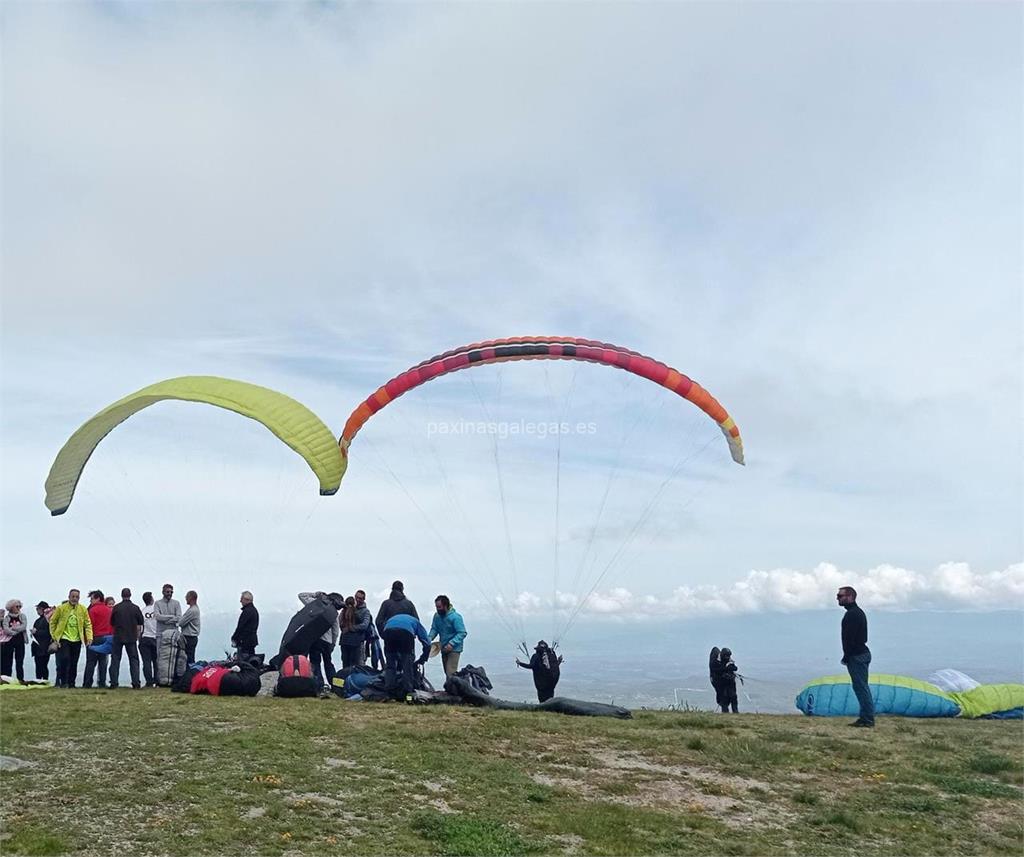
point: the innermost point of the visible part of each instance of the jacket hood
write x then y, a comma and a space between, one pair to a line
397, 595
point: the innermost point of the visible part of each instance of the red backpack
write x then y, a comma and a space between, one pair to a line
295, 678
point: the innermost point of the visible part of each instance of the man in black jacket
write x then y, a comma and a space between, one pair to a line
393, 605
856, 654
244, 638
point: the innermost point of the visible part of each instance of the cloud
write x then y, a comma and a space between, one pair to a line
951, 586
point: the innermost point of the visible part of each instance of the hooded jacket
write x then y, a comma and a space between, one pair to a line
450, 628
395, 604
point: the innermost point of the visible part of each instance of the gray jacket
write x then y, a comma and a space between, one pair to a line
189, 622
166, 614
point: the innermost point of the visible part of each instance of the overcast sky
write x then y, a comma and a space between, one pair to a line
812, 209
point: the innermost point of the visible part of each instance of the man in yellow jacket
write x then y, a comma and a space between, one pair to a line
70, 628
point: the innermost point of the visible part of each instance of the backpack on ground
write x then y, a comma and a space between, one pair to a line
170, 658
295, 678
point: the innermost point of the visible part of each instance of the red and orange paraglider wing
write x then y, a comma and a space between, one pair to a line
546, 348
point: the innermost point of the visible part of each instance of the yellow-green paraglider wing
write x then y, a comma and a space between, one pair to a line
291, 421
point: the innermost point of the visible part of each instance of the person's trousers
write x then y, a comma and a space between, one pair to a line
42, 665
544, 691
400, 658
857, 667
190, 643
350, 656
147, 652
67, 663
12, 655
132, 648
93, 662
320, 653
450, 661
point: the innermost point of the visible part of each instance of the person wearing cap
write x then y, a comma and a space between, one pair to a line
395, 604
14, 633
41, 641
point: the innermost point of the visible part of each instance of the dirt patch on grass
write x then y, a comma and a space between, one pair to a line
631, 779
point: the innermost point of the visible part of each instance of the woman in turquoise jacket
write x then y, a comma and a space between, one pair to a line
448, 625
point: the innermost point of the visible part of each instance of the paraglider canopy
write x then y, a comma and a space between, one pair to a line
289, 420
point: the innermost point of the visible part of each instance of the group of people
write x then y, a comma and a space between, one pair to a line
397, 626
112, 629
107, 629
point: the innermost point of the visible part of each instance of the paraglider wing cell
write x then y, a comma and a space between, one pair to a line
289, 420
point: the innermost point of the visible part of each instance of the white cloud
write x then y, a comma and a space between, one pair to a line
951, 586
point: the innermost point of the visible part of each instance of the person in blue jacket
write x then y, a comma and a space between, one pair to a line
400, 634
448, 625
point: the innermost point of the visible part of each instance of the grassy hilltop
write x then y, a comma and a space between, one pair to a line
158, 773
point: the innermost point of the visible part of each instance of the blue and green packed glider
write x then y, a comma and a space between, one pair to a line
832, 696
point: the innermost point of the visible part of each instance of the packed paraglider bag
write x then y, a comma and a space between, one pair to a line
295, 678
306, 627
170, 658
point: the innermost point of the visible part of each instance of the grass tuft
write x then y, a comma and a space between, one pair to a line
462, 836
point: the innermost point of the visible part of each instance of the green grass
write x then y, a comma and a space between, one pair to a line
178, 775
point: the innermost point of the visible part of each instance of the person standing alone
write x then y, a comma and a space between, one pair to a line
856, 654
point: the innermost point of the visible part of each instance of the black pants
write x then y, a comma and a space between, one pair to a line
400, 657
132, 648
67, 663
42, 660
350, 656
94, 664
12, 654
190, 643
545, 690
147, 651
320, 653
726, 697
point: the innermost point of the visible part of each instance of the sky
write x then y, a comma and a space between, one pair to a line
812, 209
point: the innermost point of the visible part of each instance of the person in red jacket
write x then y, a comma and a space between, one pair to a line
99, 615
